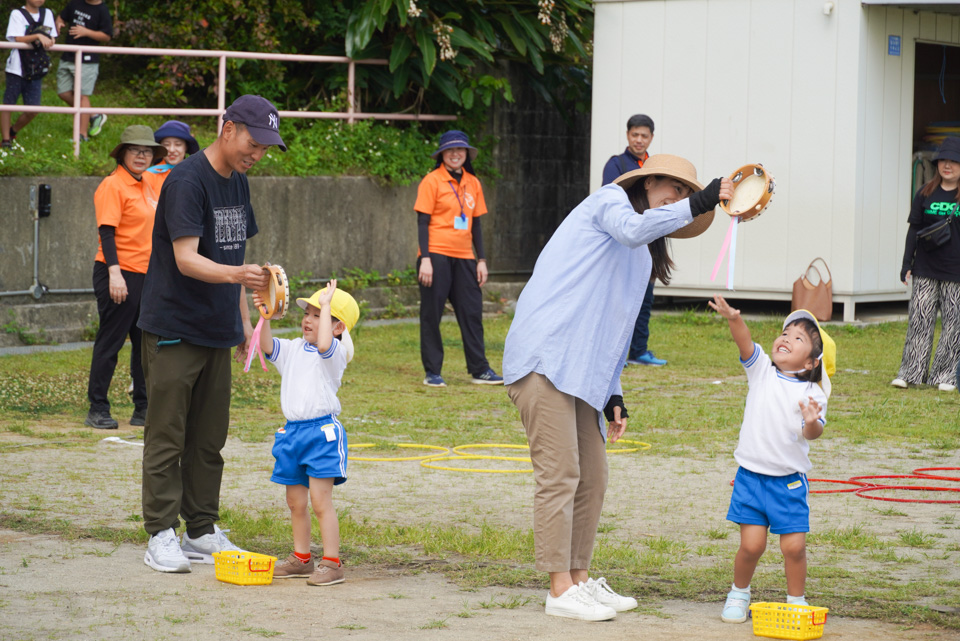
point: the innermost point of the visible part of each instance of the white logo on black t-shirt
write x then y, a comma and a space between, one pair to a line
231, 225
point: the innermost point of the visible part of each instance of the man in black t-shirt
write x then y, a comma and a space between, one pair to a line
87, 22
193, 310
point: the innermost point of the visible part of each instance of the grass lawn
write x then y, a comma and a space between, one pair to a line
690, 410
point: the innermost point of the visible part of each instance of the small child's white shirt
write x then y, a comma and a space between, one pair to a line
309, 379
17, 26
771, 439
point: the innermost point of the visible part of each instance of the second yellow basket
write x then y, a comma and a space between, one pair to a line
786, 621
244, 568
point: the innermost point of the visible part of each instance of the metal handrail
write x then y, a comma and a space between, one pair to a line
350, 115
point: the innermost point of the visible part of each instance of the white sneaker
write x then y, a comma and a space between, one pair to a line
576, 603
736, 608
164, 554
899, 382
947, 387
602, 593
201, 549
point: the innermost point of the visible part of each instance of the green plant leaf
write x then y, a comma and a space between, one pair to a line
402, 47
428, 50
515, 39
467, 98
460, 38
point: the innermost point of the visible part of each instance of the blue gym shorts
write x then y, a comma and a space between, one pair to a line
776, 502
315, 448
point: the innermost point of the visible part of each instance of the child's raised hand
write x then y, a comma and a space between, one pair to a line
722, 307
327, 294
810, 410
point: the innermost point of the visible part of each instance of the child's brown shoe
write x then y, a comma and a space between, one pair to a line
293, 568
328, 573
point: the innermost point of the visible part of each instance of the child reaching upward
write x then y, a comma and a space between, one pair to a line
785, 409
311, 449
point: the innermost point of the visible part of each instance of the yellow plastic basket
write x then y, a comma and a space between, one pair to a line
244, 568
785, 621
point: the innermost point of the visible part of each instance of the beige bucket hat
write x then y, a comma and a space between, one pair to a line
674, 167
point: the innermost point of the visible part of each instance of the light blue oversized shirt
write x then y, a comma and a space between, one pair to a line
575, 316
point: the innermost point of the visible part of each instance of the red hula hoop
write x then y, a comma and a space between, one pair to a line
897, 476
875, 488
922, 471
848, 489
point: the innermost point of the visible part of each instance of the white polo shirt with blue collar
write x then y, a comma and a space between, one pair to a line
310, 380
771, 439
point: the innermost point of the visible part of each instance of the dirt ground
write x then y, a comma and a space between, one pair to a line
55, 589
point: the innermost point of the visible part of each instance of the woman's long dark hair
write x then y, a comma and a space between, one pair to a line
933, 183
659, 250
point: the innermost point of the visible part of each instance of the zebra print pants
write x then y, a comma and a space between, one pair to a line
927, 298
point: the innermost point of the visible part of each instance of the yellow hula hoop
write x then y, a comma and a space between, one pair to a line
473, 457
443, 451
643, 447
458, 450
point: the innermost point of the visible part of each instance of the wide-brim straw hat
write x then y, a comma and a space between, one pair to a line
828, 357
680, 169
141, 135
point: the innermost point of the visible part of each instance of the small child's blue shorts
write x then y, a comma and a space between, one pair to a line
316, 448
777, 502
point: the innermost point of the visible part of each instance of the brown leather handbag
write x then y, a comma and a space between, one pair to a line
815, 298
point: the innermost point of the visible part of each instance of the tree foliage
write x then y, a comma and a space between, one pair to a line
444, 56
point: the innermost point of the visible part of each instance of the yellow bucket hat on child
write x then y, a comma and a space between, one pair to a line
829, 356
343, 306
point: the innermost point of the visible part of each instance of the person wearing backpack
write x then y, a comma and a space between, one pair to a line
31, 24
87, 22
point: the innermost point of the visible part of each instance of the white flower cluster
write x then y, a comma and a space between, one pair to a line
558, 33
413, 10
442, 31
546, 6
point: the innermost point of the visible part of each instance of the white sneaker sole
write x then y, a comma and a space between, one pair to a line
598, 616
625, 606
899, 383
433, 384
180, 569
732, 620
477, 381
198, 557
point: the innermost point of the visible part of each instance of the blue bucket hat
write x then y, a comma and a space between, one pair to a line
452, 139
949, 150
177, 129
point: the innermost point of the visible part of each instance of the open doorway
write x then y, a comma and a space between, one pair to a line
936, 105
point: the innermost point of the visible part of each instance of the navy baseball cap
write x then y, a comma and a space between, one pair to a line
260, 117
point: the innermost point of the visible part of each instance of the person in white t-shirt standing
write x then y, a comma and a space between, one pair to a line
43, 30
311, 448
785, 409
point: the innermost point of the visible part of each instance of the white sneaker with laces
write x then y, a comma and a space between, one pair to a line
947, 387
576, 603
899, 382
736, 608
602, 593
164, 554
201, 549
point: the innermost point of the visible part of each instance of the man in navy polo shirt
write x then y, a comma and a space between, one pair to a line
193, 311
639, 137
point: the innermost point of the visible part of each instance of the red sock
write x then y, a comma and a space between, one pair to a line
333, 559
304, 558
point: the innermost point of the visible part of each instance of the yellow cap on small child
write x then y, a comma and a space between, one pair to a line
829, 356
342, 306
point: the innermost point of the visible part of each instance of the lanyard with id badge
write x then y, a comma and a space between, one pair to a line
459, 222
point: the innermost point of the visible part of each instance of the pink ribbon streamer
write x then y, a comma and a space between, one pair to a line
731, 260
254, 347
723, 249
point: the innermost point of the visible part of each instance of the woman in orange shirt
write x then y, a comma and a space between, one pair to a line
449, 205
125, 203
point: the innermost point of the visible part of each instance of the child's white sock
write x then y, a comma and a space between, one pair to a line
797, 600
745, 590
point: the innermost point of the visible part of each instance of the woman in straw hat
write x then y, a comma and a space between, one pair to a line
125, 204
567, 346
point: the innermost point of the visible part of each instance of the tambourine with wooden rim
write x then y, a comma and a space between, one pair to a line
753, 188
277, 294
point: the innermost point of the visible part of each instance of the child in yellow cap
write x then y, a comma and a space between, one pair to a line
786, 407
311, 449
